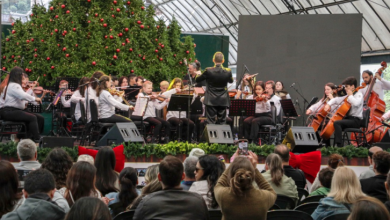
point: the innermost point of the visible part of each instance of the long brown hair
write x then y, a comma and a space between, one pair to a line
274, 163
332, 86
9, 183
335, 160
4, 83
15, 76
258, 83
95, 76
102, 84
82, 89
106, 177
241, 174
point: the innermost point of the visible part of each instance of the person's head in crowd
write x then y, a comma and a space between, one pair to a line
128, 180
335, 160
189, 167
80, 182
218, 58
325, 177
387, 184
147, 87
9, 183
164, 86
140, 80
241, 175
63, 84
58, 162
171, 172
39, 181
123, 82
270, 87
209, 168
284, 153
371, 152
151, 180
381, 162
115, 80
279, 86
94, 79
345, 186
132, 80
273, 163
196, 152
89, 208
369, 208
83, 80
27, 150
106, 177
87, 158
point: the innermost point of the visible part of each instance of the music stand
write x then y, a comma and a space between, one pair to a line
288, 109
73, 83
242, 107
130, 93
178, 103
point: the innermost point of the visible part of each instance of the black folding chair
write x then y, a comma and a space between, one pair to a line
312, 199
215, 214
285, 202
302, 193
308, 207
288, 214
343, 216
128, 215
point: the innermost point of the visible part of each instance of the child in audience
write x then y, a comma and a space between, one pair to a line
335, 160
325, 176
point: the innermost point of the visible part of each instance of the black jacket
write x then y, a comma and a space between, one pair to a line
375, 187
217, 78
297, 175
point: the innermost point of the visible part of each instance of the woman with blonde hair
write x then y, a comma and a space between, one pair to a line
236, 195
335, 160
345, 191
282, 184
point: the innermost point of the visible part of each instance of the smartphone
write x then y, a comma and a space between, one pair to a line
141, 172
243, 147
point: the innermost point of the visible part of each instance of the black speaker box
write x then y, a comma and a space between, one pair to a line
221, 134
119, 133
52, 142
301, 139
385, 142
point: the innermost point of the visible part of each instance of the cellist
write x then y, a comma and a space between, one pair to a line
355, 113
380, 85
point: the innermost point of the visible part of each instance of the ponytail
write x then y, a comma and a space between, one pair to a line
242, 181
335, 160
128, 182
274, 163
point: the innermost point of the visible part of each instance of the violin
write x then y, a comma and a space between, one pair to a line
263, 97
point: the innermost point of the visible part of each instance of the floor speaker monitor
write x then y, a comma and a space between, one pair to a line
301, 139
221, 134
52, 142
119, 133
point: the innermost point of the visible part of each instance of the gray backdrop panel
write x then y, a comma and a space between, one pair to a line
309, 50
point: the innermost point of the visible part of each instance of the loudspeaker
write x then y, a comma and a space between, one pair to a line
385, 142
301, 139
119, 133
221, 134
52, 142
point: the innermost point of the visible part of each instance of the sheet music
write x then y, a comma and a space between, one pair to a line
140, 106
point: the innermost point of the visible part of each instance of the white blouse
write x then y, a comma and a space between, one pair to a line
76, 97
152, 106
16, 96
107, 104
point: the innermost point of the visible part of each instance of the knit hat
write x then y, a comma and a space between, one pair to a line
197, 152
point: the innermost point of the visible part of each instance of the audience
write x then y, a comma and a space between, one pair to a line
369, 208
89, 208
39, 188
236, 195
10, 199
325, 178
172, 202
196, 152
58, 162
189, 170
370, 172
207, 171
282, 184
296, 174
334, 161
106, 177
345, 191
128, 181
27, 154
387, 185
87, 158
375, 186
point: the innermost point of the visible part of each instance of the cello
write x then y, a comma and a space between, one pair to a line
319, 117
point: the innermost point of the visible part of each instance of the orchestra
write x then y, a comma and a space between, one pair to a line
340, 107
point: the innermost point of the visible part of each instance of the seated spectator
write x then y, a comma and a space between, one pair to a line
106, 176
80, 182
189, 170
375, 186
89, 208
10, 199
39, 188
296, 174
172, 202
236, 195
369, 208
152, 185
87, 158
196, 152
334, 161
370, 171
282, 184
325, 178
345, 191
207, 171
27, 154
128, 181
387, 185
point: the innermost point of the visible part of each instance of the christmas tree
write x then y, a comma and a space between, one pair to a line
74, 38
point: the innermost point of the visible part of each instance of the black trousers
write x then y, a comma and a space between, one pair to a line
184, 121
219, 111
339, 126
252, 125
115, 118
18, 115
159, 124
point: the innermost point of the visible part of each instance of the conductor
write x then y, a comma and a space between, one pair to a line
216, 96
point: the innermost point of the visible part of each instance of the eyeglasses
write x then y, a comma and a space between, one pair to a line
197, 169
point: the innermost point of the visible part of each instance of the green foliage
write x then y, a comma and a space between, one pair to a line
75, 38
347, 151
8, 149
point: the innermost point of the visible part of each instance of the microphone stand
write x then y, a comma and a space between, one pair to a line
304, 102
189, 106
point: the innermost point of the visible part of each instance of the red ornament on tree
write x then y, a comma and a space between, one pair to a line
13, 23
35, 55
62, 6
35, 50
142, 8
26, 69
132, 12
158, 26
162, 46
101, 20
76, 45
174, 55
74, 29
130, 61
181, 63
187, 52
89, 21
123, 44
126, 29
56, 16
42, 40
143, 58
96, 14
7, 39
13, 31
115, 57
30, 62
118, 50
51, 8
114, 2
105, 36
104, 25
142, 26
52, 67
161, 59
131, 49
32, 39
67, 55
28, 41
94, 63
139, 22
48, 58
132, 71
139, 55
120, 34
156, 39
156, 51
111, 37
64, 49
118, 9
113, 16
56, 30
4, 57
128, 2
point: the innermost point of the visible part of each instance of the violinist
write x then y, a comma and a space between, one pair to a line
115, 81
262, 112
279, 87
107, 103
78, 96
123, 82
354, 115
270, 89
132, 80
246, 87
380, 84
90, 92
150, 112
163, 86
